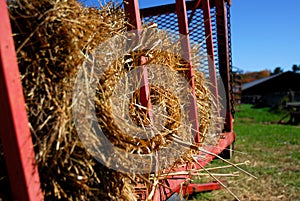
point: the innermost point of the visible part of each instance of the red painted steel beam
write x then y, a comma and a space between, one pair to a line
174, 182
132, 12
186, 55
197, 188
224, 64
165, 9
225, 140
14, 130
197, 4
171, 8
210, 52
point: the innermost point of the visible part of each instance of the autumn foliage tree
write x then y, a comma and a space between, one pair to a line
252, 76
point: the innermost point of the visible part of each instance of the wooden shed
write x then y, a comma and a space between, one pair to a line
273, 90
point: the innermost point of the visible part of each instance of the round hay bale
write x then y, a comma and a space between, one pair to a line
52, 38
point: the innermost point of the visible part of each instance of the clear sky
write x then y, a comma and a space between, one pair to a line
265, 33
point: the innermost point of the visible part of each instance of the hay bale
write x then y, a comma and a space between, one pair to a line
52, 38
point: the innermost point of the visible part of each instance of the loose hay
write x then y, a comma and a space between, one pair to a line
52, 38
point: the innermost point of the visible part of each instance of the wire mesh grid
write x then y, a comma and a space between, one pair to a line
197, 36
169, 22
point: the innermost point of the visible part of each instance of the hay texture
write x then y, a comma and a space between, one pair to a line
52, 39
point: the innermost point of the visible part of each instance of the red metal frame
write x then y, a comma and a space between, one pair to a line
166, 9
197, 188
224, 64
171, 8
186, 54
178, 183
132, 12
175, 182
14, 131
222, 35
196, 5
210, 52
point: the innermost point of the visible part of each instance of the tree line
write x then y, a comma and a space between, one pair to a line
252, 76
295, 69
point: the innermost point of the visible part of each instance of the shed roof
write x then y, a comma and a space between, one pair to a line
275, 83
256, 82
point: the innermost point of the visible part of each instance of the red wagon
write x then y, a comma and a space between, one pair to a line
206, 22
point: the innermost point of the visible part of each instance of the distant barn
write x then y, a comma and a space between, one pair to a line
273, 90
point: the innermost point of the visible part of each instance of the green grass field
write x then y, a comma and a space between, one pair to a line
274, 152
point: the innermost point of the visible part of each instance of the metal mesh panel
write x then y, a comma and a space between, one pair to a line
213, 14
169, 23
166, 22
197, 38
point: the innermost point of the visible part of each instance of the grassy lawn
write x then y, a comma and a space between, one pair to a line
273, 150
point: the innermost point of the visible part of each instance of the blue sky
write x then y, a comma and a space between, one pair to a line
265, 33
